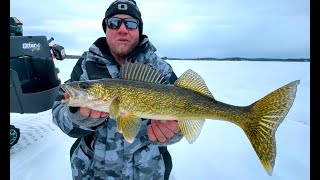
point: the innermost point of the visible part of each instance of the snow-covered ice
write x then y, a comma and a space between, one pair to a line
222, 150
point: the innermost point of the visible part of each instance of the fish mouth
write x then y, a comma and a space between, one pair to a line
74, 94
66, 89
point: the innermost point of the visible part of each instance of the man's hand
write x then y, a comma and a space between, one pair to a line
86, 112
162, 130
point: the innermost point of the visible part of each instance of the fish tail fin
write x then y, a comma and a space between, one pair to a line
265, 117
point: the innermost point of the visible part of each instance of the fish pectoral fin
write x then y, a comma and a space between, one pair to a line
114, 108
191, 129
128, 125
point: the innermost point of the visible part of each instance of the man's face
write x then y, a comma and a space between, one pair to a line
122, 41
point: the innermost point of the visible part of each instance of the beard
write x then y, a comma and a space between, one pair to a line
123, 50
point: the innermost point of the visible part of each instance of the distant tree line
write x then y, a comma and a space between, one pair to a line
240, 59
221, 59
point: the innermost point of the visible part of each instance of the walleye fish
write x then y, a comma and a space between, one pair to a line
140, 92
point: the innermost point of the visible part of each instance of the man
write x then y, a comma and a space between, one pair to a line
101, 152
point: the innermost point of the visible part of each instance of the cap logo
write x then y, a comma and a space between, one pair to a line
122, 6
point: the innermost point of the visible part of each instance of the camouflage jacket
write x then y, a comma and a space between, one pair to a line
102, 152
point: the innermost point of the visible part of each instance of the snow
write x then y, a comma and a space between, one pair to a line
222, 151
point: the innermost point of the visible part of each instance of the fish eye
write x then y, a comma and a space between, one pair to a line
84, 85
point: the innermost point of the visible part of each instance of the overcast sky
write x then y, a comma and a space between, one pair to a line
181, 28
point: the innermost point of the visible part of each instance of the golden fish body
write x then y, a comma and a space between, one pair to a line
138, 93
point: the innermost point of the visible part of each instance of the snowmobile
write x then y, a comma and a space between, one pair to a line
34, 81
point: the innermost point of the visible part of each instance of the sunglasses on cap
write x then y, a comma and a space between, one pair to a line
115, 23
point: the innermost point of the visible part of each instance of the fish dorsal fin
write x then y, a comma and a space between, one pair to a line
193, 81
138, 71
